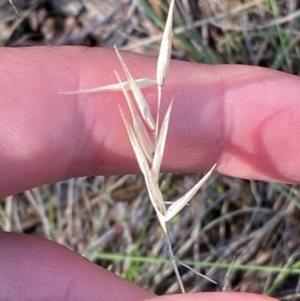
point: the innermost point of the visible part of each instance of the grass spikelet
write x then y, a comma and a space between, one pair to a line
153, 189
164, 56
143, 137
161, 141
183, 201
138, 95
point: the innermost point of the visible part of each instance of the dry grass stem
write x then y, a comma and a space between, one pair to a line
14, 8
174, 263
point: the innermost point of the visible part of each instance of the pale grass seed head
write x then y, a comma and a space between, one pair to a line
149, 150
138, 141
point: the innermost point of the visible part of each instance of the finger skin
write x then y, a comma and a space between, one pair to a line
244, 118
33, 268
37, 269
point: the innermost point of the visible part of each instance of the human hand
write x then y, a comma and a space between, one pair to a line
244, 118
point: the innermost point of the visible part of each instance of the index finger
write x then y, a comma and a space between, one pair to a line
244, 118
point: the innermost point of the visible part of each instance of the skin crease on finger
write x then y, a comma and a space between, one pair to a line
244, 118
33, 268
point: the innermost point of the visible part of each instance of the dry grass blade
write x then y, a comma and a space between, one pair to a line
164, 56
179, 204
138, 96
142, 135
141, 83
160, 145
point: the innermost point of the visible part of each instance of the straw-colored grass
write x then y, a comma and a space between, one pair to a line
149, 149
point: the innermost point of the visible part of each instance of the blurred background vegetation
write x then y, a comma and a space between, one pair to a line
244, 235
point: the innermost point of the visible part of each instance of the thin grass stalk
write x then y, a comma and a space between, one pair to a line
197, 273
14, 8
173, 260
